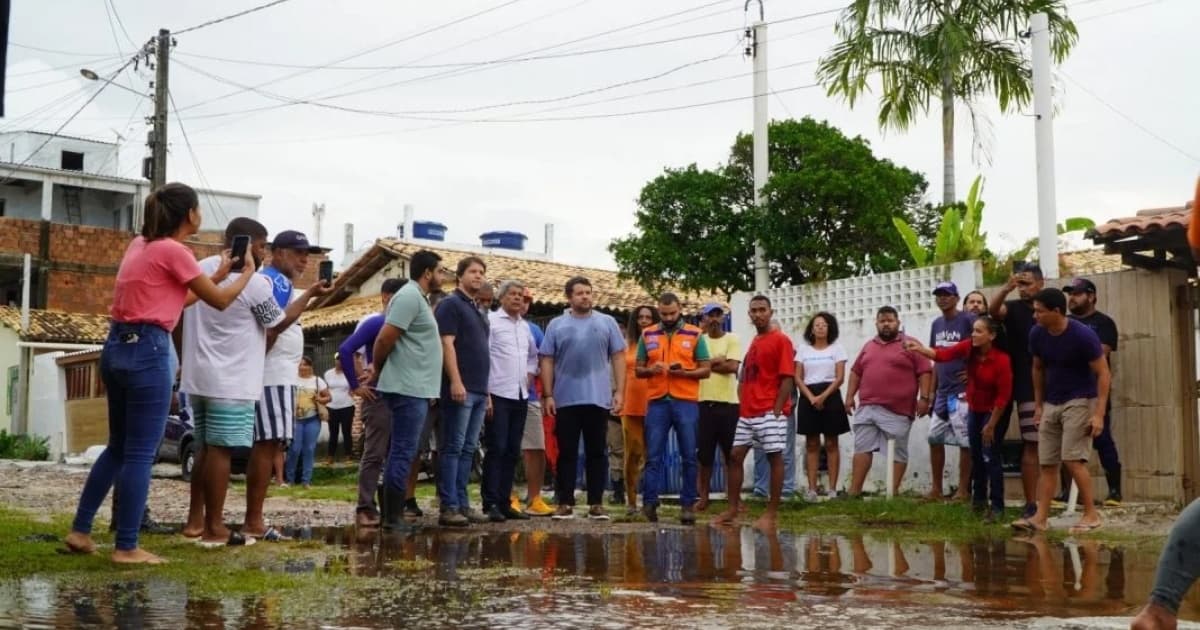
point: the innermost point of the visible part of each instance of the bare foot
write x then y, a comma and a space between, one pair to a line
766, 523
960, 496
191, 532
1154, 617
218, 535
934, 495
80, 543
742, 508
701, 505
725, 518
136, 556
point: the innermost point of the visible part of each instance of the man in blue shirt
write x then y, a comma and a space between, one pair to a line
948, 422
583, 377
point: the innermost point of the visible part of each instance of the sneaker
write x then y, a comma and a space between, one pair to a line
1113, 500
513, 515
597, 513
475, 516
687, 516
514, 503
412, 510
811, 496
832, 494
650, 511
563, 513
538, 507
495, 515
451, 518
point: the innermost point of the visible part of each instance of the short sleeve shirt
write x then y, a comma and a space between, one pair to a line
820, 366
770, 358
1104, 327
458, 317
582, 348
944, 333
1066, 361
152, 282
414, 367
721, 387
1018, 321
888, 375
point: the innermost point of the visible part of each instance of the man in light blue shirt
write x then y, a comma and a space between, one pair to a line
408, 369
583, 377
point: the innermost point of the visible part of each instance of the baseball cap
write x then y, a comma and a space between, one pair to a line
946, 287
291, 239
710, 307
1080, 285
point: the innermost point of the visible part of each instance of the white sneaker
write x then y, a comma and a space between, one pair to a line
832, 494
811, 496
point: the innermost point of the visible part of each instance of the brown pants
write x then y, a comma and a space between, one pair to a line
377, 439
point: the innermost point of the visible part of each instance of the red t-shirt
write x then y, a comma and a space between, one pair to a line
770, 358
887, 375
989, 378
152, 282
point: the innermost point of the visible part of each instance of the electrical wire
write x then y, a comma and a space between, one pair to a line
68, 66
196, 162
229, 17
120, 23
1120, 10
1129, 119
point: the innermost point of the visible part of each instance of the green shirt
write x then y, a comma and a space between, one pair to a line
414, 367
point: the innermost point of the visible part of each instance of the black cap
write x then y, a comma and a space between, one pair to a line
291, 239
1080, 285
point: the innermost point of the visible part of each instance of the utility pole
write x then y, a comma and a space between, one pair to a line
1043, 128
158, 134
758, 50
319, 216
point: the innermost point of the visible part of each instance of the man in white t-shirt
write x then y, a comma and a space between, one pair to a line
285, 347
223, 355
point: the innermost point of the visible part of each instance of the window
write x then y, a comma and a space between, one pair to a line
72, 161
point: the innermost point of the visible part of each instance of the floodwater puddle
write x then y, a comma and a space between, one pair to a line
698, 578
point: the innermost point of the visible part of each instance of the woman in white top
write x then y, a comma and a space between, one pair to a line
820, 370
341, 409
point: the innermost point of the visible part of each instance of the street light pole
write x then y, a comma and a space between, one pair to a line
758, 50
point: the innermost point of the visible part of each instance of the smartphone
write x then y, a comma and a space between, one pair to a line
676, 366
325, 272
241, 243
1018, 266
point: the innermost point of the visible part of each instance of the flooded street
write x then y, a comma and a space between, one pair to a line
702, 577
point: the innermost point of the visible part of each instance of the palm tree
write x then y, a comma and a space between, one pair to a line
953, 49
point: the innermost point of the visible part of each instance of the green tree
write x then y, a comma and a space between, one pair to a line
828, 215
951, 50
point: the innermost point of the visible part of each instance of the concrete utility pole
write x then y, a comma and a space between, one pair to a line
158, 135
758, 51
319, 217
1043, 128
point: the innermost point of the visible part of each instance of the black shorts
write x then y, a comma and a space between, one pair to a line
716, 427
830, 420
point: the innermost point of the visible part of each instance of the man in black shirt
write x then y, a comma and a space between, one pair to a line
1082, 304
1017, 316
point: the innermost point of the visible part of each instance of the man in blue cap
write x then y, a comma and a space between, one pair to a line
948, 423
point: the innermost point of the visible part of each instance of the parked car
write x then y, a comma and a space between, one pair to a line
179, 445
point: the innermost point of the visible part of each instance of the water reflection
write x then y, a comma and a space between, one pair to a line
698, 577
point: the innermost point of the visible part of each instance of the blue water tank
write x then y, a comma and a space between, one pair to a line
503, 240
429, 230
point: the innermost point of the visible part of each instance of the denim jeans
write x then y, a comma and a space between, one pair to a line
986, 473
762, 472
1179, 565
458, 440
502, 438
134, 366
303, 449
662, 416
408, 418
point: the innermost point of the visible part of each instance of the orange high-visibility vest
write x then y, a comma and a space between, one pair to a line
669, 348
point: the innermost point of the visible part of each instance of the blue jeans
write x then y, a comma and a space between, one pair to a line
986, 473
134, 368
502, 437
662, 416
1179, 565
304, 445
408, 418
762, 472
457, 442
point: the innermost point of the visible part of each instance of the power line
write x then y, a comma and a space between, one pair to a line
66, 53
229, 17
196, 162
1120, 10
1131, 120
115, 14
68, 66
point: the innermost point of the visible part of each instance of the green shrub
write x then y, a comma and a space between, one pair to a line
30, 447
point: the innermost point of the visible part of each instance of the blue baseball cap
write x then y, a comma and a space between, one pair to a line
710, 307
948, 288
292, 239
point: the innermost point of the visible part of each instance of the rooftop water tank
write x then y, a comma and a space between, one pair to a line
429, 230
503, 240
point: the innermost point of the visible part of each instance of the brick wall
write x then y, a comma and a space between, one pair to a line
87, 245
18, 236
80, 292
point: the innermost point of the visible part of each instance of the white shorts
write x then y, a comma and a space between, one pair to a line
874, 425
275, 413
769, 432
951, 430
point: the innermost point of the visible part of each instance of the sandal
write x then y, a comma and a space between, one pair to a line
1026, 525
1084, 528
236, 539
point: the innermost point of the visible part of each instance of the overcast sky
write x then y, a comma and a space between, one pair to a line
582, 175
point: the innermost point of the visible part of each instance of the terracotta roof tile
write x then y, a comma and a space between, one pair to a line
349, 312
1146, 221
57, 326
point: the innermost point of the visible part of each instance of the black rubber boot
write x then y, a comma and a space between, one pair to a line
392, 510
1114, 487
618, 496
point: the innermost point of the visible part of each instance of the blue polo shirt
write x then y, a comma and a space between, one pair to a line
457, 316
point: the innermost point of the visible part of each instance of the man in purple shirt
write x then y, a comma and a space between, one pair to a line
948, 422
376, 417
1070, 387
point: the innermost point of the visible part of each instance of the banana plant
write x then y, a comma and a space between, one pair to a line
958, 237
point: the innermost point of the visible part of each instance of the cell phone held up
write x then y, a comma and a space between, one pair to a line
241, 244
325, 272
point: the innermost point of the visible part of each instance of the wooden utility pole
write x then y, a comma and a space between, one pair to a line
158, 134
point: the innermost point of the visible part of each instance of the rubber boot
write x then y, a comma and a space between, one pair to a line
392, 509
618, 496
1114, 487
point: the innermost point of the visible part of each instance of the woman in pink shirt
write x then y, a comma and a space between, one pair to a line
157, 272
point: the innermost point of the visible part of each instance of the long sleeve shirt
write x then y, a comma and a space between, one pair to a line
514, 356
989, 377
363, 337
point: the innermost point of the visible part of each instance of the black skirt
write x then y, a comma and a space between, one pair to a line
831, 420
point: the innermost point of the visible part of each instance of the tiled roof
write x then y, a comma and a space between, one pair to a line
1144, 222
545, 278
57, 326
1089, 262
349, 312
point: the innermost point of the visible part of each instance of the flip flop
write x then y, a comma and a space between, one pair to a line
235, 540
273, 535
1084, 528
1026, 525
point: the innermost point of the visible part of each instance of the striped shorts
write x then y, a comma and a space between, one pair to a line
275, 414
222, 421
769, 432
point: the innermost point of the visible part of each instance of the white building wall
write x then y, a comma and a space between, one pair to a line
854, 302
10, 360
99, 157
47, 402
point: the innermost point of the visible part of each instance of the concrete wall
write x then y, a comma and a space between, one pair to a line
854, 302
10, 358
98, 157
117, 210
47, 406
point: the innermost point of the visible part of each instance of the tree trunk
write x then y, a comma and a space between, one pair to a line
948, 196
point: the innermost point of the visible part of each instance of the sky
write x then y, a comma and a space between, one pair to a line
516, 143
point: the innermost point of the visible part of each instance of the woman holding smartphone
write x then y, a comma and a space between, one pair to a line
989, 388
157, 274
312, 392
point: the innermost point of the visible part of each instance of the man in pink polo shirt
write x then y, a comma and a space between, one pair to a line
887, 379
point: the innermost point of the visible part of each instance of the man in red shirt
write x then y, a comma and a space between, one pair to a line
886, 378
765, 395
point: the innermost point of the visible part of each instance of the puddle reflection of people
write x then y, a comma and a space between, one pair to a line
1179, 565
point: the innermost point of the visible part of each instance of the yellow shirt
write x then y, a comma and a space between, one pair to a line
721, 387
